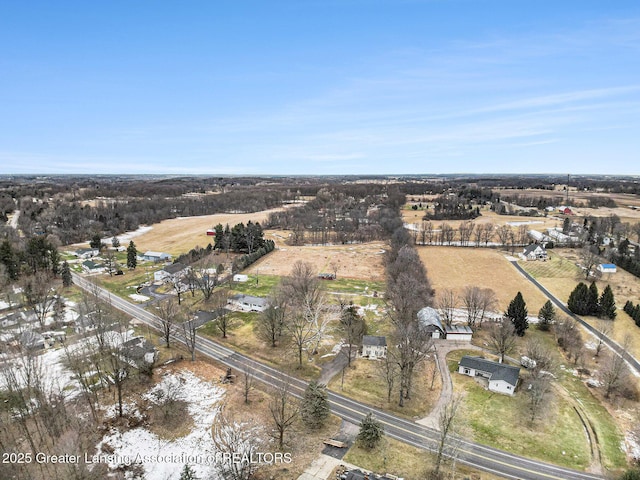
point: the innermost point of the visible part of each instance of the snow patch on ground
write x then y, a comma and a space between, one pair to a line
203, 400
633, 445
139, 298
125, 237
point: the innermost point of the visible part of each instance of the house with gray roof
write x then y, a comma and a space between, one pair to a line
502, 378
248, 303
374, 346
534, 252
139, 352
170, 273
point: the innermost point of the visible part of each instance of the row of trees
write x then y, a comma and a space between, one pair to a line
633, 311
19, 256
240, 238
585, 300
469, 233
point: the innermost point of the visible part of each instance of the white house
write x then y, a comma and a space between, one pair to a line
170, 272
156, 256
534, 252
86, 253
374, 346
607, 268
502, 378
248, 303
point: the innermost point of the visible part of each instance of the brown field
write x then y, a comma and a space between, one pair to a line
456, 268
488, 216
360, 261
179, 235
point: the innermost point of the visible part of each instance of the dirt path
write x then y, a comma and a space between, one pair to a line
442, 349
332, 368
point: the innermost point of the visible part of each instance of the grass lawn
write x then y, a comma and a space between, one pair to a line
410, 463
502, 421
241, 337
364, 383
560, 275
123, 285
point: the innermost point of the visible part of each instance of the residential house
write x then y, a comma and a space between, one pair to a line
374, 346
32, 340
534, 252
90, 266
360, 475
86, 253
502, 378
170, 273
156, 256
248, 303
139, 352
607, 268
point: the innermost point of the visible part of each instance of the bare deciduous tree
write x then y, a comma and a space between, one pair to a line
478, 301
39, 293
604, 329
240, 439
388, 370
446, 303
169, 314
466, 230
502, 337
284, 409
589, 259
352, 327
447, 423
190, 337
248, 382
613, 372
271, 322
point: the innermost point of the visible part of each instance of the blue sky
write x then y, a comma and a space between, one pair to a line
320, 87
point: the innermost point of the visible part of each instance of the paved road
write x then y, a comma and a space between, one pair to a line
478, 456
607, 341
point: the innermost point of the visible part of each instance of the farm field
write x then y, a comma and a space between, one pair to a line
358, 261
560, 275
488, 216
457, 267
179, 235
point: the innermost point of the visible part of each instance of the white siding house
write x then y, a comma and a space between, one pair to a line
502, 378
374, 346
534, 252
248, 303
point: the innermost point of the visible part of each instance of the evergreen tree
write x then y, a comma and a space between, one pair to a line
132, 256
517, 313
9, 259
593, 300
96, 241
188, 473
65, 273
546, 315
115, 242
314, 409
578, 301
608, 303
371, 432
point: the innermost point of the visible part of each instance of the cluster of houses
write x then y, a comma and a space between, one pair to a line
92, 263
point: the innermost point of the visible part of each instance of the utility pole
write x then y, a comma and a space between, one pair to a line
568, 180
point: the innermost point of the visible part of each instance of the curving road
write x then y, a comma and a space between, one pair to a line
478, 456
615, 347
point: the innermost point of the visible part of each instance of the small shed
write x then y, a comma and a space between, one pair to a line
374, 346
241, 278
607, 268
458, 333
